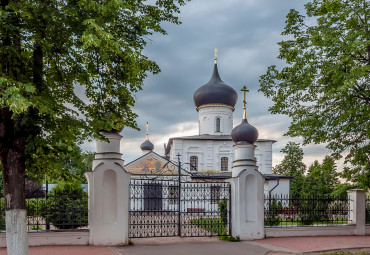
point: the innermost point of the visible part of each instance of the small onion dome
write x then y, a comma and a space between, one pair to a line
244, 133
215, 91
147, 146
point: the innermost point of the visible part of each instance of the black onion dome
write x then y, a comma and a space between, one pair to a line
215, 91
244, 133
147, 146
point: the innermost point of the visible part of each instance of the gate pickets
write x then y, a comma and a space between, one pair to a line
158, 209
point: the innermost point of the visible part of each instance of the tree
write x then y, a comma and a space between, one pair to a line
292, 165
321, 179
67, 69
325, 87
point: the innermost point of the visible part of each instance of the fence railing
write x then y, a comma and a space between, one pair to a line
285, 211
367, 217
53, 211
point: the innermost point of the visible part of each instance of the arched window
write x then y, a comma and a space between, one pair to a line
218, 125
224, 164
194, 163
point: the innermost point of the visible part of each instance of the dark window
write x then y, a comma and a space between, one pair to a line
224, 164
218, 125
194, 163
215, 194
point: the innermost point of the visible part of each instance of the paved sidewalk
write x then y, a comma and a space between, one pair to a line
316, 243
208, 245
67, 250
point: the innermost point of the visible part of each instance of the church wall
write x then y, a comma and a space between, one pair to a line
207, 120
210, 152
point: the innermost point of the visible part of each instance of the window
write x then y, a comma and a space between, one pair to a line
215, 194
194, 163
218, 125
224, 164
173, 194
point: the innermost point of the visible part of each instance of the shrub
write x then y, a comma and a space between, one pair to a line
2, 214
66, 207
272, 214
33, 190
34, 206
222, 206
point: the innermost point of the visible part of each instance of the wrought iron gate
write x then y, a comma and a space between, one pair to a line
170, 207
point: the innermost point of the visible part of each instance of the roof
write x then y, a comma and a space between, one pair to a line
206, 137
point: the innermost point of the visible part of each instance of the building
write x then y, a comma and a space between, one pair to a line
212, 149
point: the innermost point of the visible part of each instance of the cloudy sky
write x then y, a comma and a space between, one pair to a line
246, 33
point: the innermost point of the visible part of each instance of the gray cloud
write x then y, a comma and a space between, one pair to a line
246, 33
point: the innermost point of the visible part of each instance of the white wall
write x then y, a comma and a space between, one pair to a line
207, 120
210, 152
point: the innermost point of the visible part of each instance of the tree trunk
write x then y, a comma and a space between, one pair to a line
12, 149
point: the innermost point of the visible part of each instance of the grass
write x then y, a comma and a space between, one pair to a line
216, 226
298, 222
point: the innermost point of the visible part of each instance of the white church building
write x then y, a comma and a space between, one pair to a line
212, 149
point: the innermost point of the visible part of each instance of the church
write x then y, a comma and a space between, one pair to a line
211, 150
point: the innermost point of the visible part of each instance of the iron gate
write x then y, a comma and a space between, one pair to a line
166, 207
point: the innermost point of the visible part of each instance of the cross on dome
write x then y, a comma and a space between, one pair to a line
147, 131
244, 89
215, 51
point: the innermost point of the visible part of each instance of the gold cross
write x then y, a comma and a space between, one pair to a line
244, 89
215, 50
147, 131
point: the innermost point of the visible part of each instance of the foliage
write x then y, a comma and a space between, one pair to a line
1, 184
229, 238
214, 225
325, 86
321, 179
341, 190
2, 213
70, 69
33, 190
67, 207
34, 206
272, 214
222, 207
292, 165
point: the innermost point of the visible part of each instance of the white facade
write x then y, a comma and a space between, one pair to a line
210, 152
215, 120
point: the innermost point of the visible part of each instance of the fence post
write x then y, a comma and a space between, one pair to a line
108, 194
357, 210
247, 195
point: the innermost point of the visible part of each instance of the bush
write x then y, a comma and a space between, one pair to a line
272, 215
34, 206
2, 214
66, 207
222, 206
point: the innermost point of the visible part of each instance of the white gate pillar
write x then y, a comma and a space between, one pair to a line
108, 194
357, 210
247, 212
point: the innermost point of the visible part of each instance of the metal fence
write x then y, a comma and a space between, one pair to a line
285, 211
172, 208
53, 211
368, 210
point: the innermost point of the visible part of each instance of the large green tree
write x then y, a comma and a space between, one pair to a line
67, 69
325, 84
292, 165
321, 179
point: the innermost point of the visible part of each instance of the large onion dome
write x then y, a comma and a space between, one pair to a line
244, 133
215, 91
147, 146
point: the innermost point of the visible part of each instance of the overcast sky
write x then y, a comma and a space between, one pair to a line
246, 33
